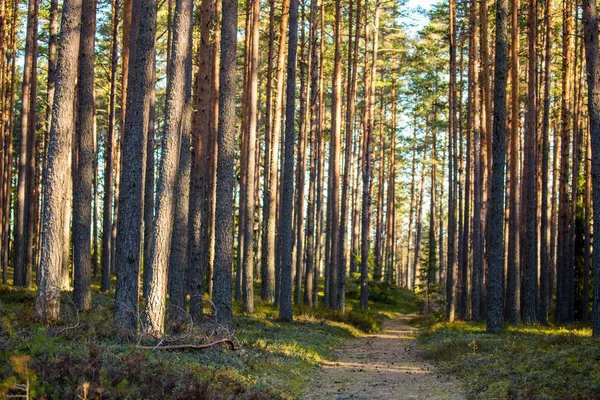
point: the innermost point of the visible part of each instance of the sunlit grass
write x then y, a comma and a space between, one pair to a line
526, 361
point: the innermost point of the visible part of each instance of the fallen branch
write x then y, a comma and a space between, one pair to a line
191, 346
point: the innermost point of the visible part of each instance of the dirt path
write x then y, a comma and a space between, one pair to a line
386, 365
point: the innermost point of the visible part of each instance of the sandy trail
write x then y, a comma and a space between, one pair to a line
387, 365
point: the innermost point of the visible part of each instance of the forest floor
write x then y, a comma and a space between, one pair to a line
524, 362
385, 365
84, 355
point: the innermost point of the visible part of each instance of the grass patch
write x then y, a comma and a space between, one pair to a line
525, 362
276, 360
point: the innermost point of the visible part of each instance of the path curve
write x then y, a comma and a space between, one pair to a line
386, 365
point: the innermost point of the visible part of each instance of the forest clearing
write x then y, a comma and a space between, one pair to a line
287, 199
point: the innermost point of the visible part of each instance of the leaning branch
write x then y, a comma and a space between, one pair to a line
191, 346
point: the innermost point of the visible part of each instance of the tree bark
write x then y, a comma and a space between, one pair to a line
351, 89
513, 277
173, 181
530, 234
367, 170
130, 201
224, 190
82, 195
477, 311
311, 241
544, 293
268, 261
451, 252
23, 195
496, 223
564, 261
109, 155
47, 305
248, 228
285, 298
334, 159
590, 20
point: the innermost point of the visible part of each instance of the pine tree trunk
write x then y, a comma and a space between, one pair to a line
590, 20
452, 167
268, 261
351, 89
496, 223
367, 171
299, 231
180, 249
544, 293
82, 199
23, 196
477, 311
173, 181
320, 163
311, 241
109, 155
224, 190
334, 159
287, 195
530, 245
391, 196
130, 200
513, 277
149, 187
564, 264
47, 305
248, 228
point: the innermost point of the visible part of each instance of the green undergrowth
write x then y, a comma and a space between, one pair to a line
525, 362
85, 356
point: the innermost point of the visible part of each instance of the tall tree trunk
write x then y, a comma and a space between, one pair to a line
530, 235
173, 180
411, 216
367, 171
82, 195
23, 196
585, 312
47, 304
451, 252
224, 190
301, 169
130, 200
496, 222
465, 237
248, 228
334, 157
267, 277
201, 143
268, 261
544, 292
311, 241
179, 241
320, 163
513, 277
351, 89
590, 19
391, 195
149, 187
31, 234
477, 311
564, 261
109, 155
287, 187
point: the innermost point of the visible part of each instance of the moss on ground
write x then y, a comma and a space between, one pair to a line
525, 362
276, 359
